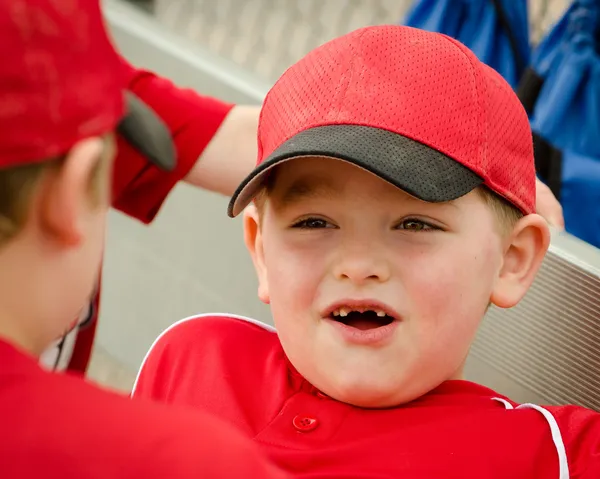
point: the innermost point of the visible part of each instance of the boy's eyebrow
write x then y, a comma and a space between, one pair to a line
317, 186
307, 187
412, 199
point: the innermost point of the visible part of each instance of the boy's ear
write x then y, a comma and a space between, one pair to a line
523, 255
254, 243
65, 200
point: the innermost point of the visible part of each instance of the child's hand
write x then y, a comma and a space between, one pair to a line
548, 206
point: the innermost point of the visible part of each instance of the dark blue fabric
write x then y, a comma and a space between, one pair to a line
580, 196
567, 112
475, 23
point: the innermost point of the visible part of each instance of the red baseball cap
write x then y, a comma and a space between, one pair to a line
62, 81
416, 108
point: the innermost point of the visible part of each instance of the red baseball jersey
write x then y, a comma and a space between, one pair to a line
139, 188
58, 426
235, 368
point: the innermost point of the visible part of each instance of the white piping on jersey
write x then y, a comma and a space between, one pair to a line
268, 327
563, 465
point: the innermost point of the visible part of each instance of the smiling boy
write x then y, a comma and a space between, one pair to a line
393, 203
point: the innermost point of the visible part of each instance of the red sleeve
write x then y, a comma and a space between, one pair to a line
580, 431
139, 188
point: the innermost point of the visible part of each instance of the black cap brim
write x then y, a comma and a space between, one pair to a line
146, 132
415, 168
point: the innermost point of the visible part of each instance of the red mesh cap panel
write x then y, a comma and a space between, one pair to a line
421, 85
507, 162
60, 81
400, 79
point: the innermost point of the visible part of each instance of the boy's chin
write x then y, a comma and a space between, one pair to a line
368, 393
369, 400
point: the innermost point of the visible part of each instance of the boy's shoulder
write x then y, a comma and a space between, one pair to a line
217, 327
575, 432
214, 359
60, 422
226, 338
207, 344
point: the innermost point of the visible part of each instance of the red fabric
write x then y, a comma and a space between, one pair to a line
410, 82
239, 372
57, 426
139, 188
84, 343
60, 80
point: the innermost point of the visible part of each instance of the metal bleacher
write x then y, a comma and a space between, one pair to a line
546, 350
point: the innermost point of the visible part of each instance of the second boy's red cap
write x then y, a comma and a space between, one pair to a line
61, 81
416, 108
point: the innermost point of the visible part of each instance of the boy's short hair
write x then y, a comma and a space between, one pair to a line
17, 187
505, 214
19, 183
416, 108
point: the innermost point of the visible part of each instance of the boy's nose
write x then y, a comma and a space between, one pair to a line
362, 264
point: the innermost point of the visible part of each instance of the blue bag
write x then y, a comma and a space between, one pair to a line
561, 92
497, 31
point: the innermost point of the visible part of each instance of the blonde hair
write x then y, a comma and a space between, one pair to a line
19, 184
507, 215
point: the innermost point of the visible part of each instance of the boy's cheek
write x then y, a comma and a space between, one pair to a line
452, 292
294, 293
295, 269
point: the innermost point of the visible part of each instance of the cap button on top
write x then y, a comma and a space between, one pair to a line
305, 423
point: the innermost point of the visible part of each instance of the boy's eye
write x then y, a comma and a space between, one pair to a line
412, 224
313, 223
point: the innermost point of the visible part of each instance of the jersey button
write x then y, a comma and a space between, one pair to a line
305, 423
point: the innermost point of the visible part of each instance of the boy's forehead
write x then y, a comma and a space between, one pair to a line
302, 179
307, 186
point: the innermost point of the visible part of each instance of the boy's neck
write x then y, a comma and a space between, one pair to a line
19, 298
12, 333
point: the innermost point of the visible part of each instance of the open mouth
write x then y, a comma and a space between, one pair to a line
363, 319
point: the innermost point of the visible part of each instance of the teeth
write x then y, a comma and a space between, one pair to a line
343, 312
